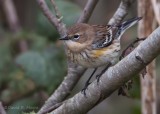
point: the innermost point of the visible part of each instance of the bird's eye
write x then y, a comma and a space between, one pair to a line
76, 36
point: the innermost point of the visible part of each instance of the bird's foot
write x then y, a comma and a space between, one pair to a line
83, 91
98, 78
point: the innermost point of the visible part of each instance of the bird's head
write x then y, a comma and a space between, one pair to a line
79, 37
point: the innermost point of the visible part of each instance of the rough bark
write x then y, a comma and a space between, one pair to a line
148, 83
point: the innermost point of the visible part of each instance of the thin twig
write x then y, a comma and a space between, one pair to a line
11, 15
53, 19
113, 78
130, 46
88, 9
58, 15
156, 8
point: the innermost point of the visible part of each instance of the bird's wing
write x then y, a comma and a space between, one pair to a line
104, 36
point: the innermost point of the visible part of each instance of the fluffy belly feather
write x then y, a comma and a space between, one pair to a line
95, 58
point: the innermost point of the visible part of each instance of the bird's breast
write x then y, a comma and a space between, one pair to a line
95, 58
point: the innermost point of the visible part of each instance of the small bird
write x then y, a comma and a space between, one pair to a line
92, 46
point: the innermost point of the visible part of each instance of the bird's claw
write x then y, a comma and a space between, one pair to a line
98, 77
83, 91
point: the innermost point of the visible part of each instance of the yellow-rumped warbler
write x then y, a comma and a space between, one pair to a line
92, 46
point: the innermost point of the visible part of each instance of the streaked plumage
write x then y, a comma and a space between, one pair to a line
92, 46
95, 45
95, 58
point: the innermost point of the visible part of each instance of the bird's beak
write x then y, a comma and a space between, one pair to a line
127, 24
64, 38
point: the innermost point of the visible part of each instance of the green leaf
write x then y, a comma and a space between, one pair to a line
56, 65
34, 65
6, 65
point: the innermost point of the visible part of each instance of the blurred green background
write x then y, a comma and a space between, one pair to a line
32, 59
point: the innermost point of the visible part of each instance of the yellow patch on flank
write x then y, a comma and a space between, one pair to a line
106, 50
100, 52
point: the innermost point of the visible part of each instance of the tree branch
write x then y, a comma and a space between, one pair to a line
148, 84
52, 18
86, 14
11, 15
156, 8
113, 78
13, 21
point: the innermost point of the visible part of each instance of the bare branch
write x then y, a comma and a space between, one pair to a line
58, 15
11, 15
91, 4
53, 19
121, 12
156, 8
148, 84
2, 111
114, 77
13, 21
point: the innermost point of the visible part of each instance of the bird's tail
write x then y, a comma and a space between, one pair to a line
125, 25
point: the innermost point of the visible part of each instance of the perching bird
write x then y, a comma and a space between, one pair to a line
92, 46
